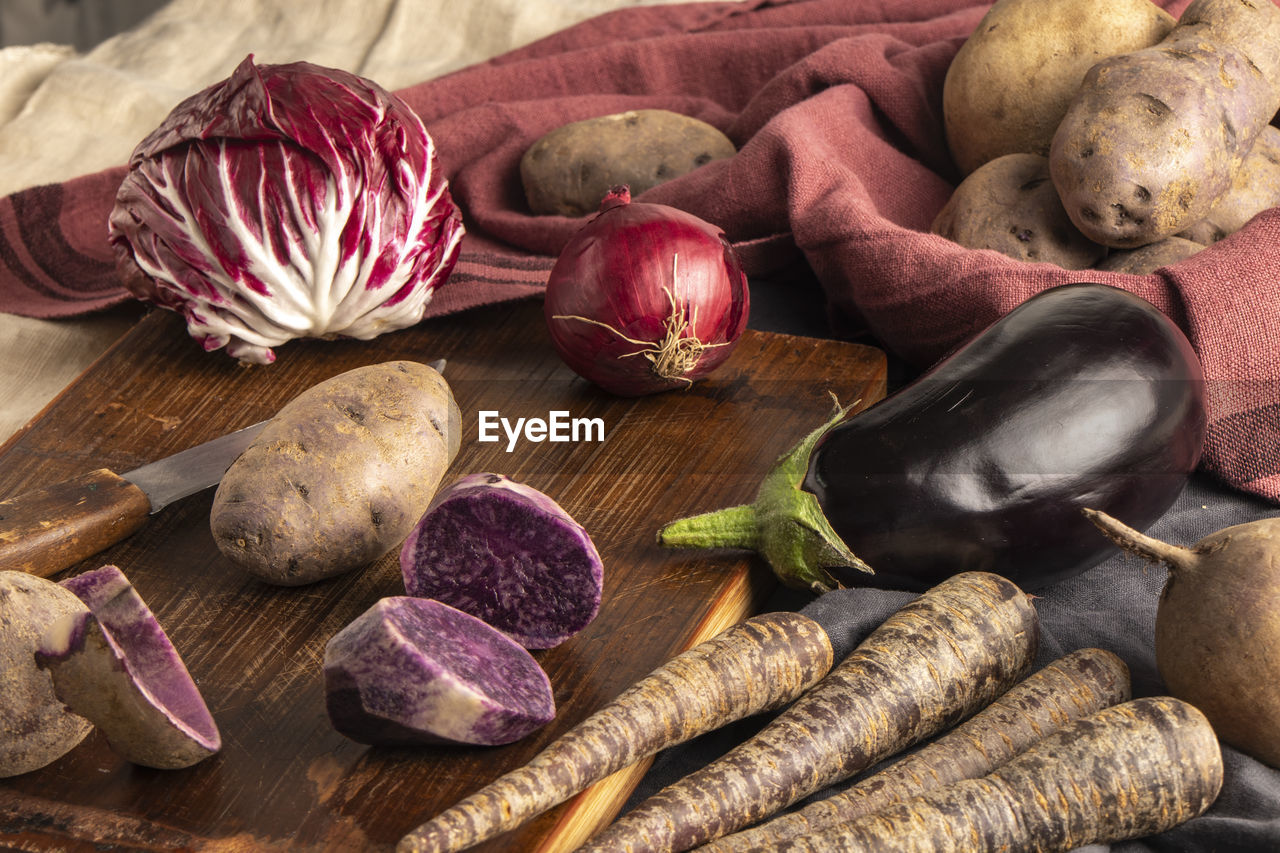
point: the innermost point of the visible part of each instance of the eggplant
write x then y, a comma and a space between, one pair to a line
1084, 395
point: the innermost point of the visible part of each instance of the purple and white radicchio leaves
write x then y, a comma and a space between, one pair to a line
287, 201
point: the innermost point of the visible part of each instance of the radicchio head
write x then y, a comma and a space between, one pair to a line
287, 201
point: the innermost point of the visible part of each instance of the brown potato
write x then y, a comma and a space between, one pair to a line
340, 475
1151, 257
1009, 205
1255, 188
569, 170
35, 728
1155, 137
1012, 80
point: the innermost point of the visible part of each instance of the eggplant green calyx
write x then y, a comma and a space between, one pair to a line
785, 524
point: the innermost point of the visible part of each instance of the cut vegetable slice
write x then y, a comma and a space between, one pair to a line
115, 666
35, 728
415, 671
507, 554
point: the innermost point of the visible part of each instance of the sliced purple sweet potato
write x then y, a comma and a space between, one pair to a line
507, 554
114, 665
35, 728
414, 671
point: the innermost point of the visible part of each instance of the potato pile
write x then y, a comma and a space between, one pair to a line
1154, 134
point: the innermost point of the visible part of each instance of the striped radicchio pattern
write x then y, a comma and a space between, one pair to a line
287, 201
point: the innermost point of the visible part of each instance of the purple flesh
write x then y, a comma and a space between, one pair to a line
414, 671
507, 554
115, 666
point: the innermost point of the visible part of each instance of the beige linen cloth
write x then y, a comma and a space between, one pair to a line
64, 114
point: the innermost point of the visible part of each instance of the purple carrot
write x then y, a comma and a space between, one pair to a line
1075, 686
934, 662
1128, 771
758, 665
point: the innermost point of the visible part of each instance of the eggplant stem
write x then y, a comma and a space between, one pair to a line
785, 524
733, 527
1174, 557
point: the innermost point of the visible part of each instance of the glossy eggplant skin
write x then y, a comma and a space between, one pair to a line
1083, 396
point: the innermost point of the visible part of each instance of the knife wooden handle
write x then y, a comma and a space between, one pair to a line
44, 531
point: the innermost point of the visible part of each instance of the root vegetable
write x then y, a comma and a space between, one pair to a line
1129, 771
1073, 687
1010, 206
339, 476
414, 671
1145, 260
35, 728
1012, 80
1217, 632
1255, 188
934, 662
570, 169
114, 665
1154, 137
645, 298
508, 554
758, 665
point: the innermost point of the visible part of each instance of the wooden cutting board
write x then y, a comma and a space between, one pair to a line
284, 779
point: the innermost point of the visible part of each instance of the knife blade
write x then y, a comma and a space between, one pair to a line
49, 529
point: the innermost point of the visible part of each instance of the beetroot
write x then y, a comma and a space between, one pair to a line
414, 671
508, 554
1217, 634
114, 665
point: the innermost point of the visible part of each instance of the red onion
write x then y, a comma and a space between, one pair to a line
645, 298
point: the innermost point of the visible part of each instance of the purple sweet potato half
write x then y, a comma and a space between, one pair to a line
414, 671
115, 666
508, 554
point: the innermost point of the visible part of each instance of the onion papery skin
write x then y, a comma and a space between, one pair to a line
618, 272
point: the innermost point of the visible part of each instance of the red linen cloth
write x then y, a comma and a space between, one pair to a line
835, 106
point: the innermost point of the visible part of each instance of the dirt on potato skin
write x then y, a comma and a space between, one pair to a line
1155, 137
339, 476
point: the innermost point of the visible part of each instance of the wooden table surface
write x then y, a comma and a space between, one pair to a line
284, 779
